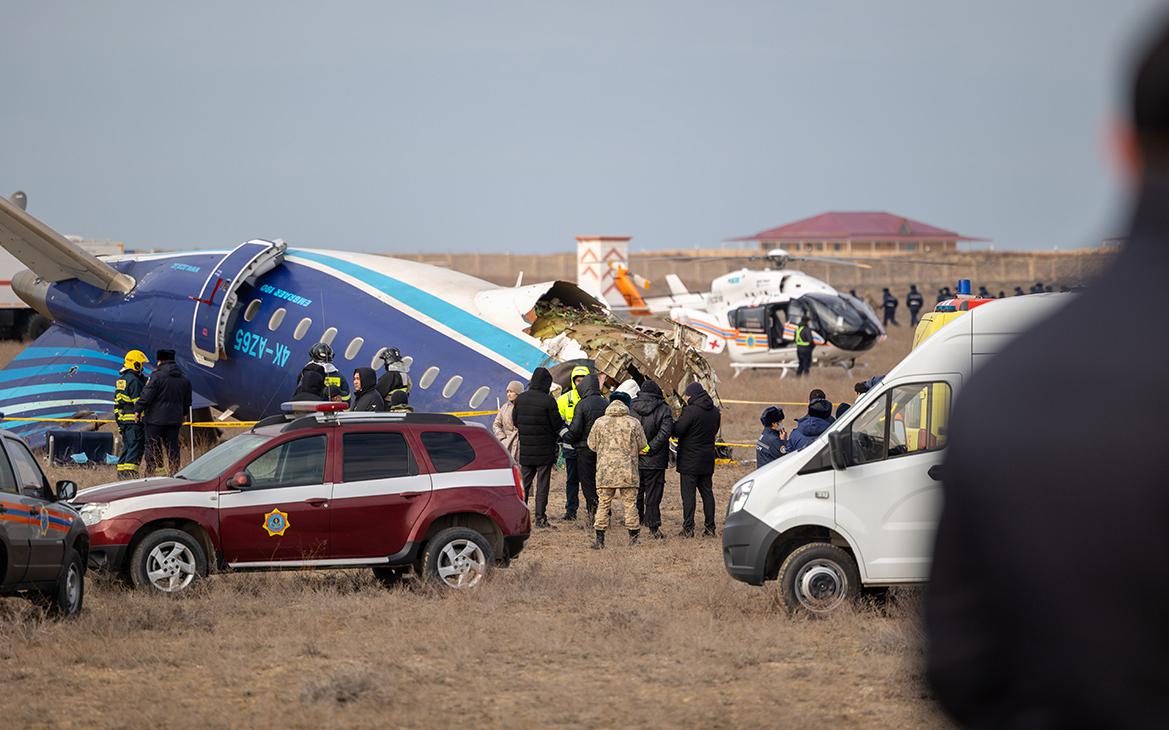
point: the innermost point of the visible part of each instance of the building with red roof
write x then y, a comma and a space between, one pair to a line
858, 234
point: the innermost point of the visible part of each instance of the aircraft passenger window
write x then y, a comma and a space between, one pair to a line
376, 455
448, 450
376, 361
277, 319
252, 310
479, 396
302, 328
407, 361
452, 386
354, 348
428, 377
329, 335
291, 464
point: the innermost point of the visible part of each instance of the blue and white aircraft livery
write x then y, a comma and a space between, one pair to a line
242, 322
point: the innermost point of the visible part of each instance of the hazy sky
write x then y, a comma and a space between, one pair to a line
515, 126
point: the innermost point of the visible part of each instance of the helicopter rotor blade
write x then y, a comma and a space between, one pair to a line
830, 260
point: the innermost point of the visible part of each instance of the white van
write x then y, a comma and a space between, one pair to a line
857, 509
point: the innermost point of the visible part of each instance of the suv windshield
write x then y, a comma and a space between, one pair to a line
215, 461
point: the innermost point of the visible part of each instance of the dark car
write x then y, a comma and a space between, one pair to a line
44, 545
396, 492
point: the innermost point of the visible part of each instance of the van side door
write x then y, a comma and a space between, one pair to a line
889, 496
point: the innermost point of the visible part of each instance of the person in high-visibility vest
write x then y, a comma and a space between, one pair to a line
566, 404
804, 345
127, 390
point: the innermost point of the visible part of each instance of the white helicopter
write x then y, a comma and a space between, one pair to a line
752, 314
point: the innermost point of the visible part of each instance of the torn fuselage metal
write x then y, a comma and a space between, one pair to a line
621, 351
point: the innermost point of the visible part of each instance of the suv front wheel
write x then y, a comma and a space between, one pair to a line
457, 557
167, 561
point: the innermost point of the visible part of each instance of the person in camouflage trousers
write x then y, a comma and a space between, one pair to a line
617, 438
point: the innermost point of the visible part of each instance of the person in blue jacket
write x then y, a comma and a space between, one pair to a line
772, 444
810, 426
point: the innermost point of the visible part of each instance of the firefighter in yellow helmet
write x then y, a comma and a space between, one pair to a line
127, 390
566, 404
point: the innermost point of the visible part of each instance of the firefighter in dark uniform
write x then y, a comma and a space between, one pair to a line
395, 379
804, 346
127, 390
321, 360
913, 302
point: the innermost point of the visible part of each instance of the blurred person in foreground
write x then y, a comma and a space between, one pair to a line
1047, 603
697, 428
617, 438
657, 420
538, 425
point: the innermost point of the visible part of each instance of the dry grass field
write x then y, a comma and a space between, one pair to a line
652, 636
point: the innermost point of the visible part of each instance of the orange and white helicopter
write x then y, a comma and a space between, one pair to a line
752, 314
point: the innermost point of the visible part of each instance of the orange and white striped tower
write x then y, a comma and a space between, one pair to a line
596, 259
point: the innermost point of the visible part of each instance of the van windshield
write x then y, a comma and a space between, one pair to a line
217, 460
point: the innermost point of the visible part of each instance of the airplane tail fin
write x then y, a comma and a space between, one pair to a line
50, 255
63, 374
677, 288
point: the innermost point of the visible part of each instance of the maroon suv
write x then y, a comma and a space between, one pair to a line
395, 492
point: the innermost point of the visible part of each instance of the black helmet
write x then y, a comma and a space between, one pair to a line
321, 352
390, 355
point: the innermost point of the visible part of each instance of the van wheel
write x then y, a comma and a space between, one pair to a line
457, 557
66, 598
167, 561
817, 579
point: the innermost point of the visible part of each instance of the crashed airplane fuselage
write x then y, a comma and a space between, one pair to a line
242, 322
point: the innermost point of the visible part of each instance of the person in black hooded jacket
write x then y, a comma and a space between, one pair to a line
657, 420
696, 429
589, 408
311, 387
537, 419
365, 393
1046, 602
164, 405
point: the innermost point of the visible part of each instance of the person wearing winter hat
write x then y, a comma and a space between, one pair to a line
841, 409
504, 424
772, 444
809, 427
621, 396
657, 420
588, 409
616, 438
538, 423
365, 393
697, 428
163, 406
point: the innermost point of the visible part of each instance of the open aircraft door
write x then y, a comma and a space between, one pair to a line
214, 305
